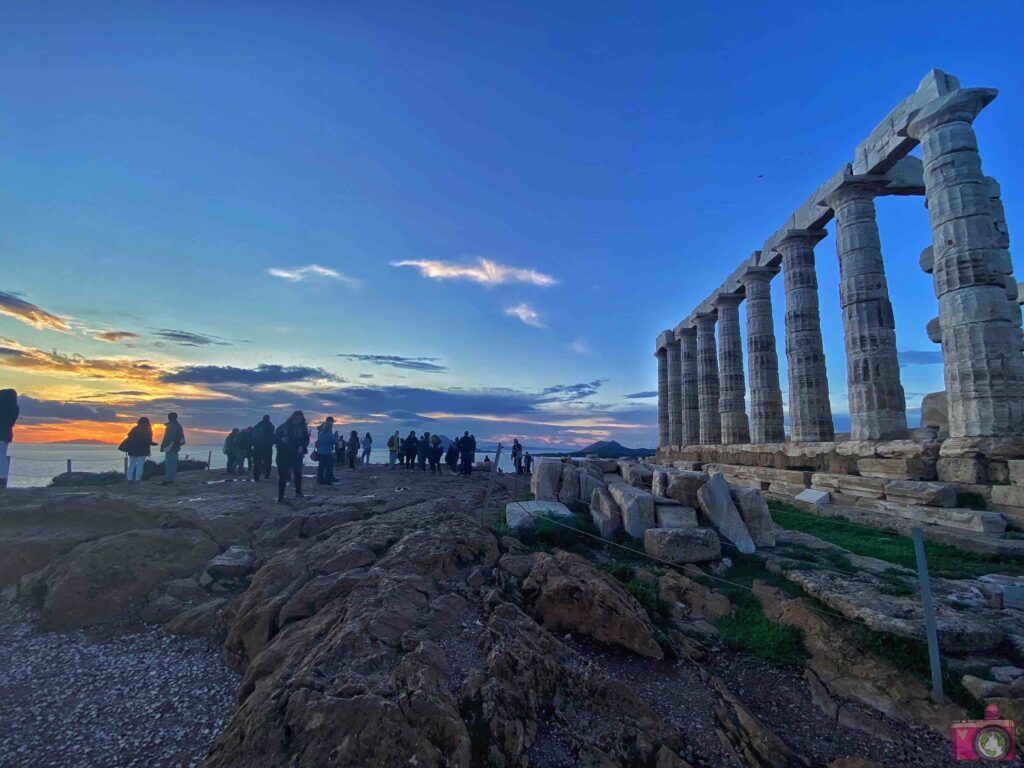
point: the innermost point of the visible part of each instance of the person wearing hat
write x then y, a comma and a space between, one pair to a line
326, 444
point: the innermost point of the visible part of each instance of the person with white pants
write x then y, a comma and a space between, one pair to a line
9, 413
137, 445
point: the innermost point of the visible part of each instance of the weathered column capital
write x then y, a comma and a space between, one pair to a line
961, 105
851, 188
809, 237
728, 300
704, 319
758, 275
665, 338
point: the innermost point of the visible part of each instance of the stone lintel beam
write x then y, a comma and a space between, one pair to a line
665, 338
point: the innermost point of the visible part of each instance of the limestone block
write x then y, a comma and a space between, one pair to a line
1010, 587
862, 449
635, 506
923, 433
546, 479
569, 490
683, 486
808, 450
967, 471
675, 515
754, 511
605, 512
927, 494
522, 514
1009, 495
637, 475
897, 469
683, 545
659, 481
691, 466
952, 517
935, 411
1016, 470
907, 449
785, 489
588, 484
717, 504
604, 465
851, 485
812, 496
998, 472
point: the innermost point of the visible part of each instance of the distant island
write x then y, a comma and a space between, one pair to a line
79, 441
606, 449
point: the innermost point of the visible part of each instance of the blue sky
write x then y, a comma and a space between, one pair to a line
159, 161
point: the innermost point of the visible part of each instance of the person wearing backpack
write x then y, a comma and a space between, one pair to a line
138, 445
394, 446
291, 439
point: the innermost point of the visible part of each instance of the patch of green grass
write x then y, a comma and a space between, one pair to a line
547, 534
647, 595
971, 500
620, 571
886, 544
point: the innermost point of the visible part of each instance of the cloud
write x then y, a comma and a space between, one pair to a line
527, 314
563, 393
920, 357
642, 395
423, 364
189, 339
125, 371
313, 272
115, 336
30, 314
580, 346
53, 410
262, 374
408, 417
485, 272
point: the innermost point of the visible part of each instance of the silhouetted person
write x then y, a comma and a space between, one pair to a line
352, 449
244, 443
467, 449
367, 447
394, 446
232, 451
262, 448
291, 439
174, 438
423, 451
451, 457
435, 454
528, 461
9, 412
517, 455
138, 446
411, 447
326, 445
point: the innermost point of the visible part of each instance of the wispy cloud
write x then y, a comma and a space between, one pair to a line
15, 355
261, 374
920, 357
484, 271
527, 314
423, 364
313, 272
189, 339
114, 337
642, 395
564, 393
28, 313
580, 346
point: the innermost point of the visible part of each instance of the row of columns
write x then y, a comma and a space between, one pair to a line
979, 320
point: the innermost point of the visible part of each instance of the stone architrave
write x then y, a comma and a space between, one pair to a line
878, 408
675, 386
732, 405
663, 436
690, 410
983, 367
810, 413
766, 416
707, 381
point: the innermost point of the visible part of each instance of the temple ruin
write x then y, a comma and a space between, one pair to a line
703, 415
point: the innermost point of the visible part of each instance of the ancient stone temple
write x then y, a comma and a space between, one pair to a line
713, 408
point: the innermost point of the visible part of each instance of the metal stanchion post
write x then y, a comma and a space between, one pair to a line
929, 614
209, 460
69, 466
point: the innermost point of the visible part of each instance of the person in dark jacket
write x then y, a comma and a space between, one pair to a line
174, 438
435, 454
352, 449
517, 455
262, 448
467, 448
423, 451
528, 462
451, 458
291, 439
138, 446
412, 445
326, 445
244, 443
230, 450
9, 412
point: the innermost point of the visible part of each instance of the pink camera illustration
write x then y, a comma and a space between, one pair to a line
992, 739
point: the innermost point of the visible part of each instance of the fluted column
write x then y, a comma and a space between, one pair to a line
1003, 246
732, 400
688, 386
878, 409
707, 381
984, 371
766, 417
675, 386
662, 355
810, 414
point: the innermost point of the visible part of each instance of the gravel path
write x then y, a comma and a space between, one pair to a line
122, 694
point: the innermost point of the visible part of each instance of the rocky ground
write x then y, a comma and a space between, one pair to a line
378, 623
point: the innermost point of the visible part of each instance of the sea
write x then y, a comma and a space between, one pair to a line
36, 464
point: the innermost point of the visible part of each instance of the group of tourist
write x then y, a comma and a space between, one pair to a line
139, 443
427, 450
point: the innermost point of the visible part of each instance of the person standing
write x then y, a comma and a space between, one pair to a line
291, 439
529, 463
137, 445
174, 438
353, 449
326, 445
435, 454
367, 447
517, 455
9, 412
231, 450
244, 443
262, 448
465, 455
411, 448
422, 451
394, 446
451, 458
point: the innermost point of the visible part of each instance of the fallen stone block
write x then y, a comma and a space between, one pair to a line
569, 490
812, 496
691, 466
522, 514
952, 517
754, 511
637, 475
546, 479
683, 545
969, 470
588, 484
635, 506
717, 504
1016, 469
897, 469
927, 494
1011, 589
675, 515
604, 465
604, 511
683, 486
850, 485
1008, 495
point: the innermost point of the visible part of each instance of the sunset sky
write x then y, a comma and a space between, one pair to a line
437, 216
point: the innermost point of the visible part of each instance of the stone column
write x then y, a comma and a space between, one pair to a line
675, 386
1005, 264
984, 370
810, 414
662, 355
766, 417
878, 409
732, 402
688, 384
707, 381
